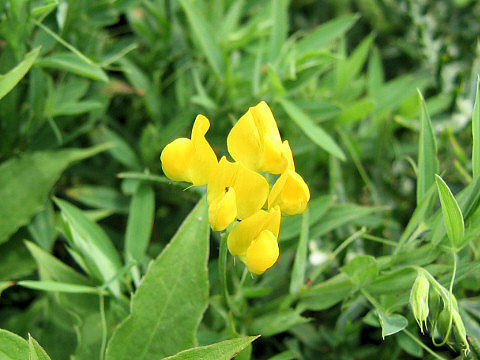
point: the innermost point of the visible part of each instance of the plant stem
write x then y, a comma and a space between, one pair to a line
427, 349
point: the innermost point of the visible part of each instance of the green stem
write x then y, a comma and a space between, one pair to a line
222, 265
427, 349
104, 327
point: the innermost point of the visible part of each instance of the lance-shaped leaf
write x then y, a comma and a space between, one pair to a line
476, 132
427, 152
452, 215
168, 305
10, 79
26, 181
36, 352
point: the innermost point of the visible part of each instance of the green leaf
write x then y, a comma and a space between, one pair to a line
100, 197
36, 352
12, 347
312, 130
15, 261
286, 355
276, 322
326, 294
279, 32
73, 63
391, 324
168, 305
10, 79
452, 215
349, 68
140, 221
25, 183
96, 249
201, 31
362, 270
427, 153
121, 150
42, 227
324, 34
50, 268
300, 262
5, 285
55, 286
476, 132
224, 350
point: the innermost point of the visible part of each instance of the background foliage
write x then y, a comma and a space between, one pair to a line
92, 91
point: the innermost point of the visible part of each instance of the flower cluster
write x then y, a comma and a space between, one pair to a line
237, 190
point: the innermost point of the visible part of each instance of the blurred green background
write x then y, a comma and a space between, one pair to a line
134, 74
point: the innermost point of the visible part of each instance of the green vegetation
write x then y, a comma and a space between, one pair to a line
103, 257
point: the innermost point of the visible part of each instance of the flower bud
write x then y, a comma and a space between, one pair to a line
419, 299
262, 252
290, 193
434, 304
459, 330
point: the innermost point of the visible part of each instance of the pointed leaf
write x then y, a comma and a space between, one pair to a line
391, 324
312, 130
300, 262
452, 215
168, 305
25, 183
224, 350
427, 152
36, 352
10, 79
12, 346
476, 132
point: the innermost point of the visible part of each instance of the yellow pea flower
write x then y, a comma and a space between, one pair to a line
234, 192
255, 141
254, 240
191, 160
290, 192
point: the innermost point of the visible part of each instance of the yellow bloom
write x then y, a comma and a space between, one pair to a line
255, 141
254, 240
234, 192
290, 192
191, 160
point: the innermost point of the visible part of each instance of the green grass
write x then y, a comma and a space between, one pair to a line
91, 92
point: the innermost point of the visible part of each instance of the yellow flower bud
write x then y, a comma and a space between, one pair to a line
255, 141
254, 240
290, 193
251, 188
419, 299
223, 210
191, 160
262, 253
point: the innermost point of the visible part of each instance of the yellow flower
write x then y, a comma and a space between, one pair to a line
234, 192
290, 192
254, 240
191, 160
255, 141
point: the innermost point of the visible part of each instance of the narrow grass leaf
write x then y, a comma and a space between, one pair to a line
279, 32
140, 221
324, 34
73, 63
286, 355
93, 244
427, 152
36, 352
121, 150
276, 322
26, 181
476, 132
300, 262
54, 286
224, 350
168, 306
326, 294
200, 29
15, 261
452, 215
312, 130
100, 197
10, 79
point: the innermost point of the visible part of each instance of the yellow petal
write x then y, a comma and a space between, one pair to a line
243, 142
255, 141
247, 230
204, 163
223, 210
251, 188
287, 154
262, 253
290, 193
176, 158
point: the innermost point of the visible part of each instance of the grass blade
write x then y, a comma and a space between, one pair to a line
476, 132
10, 79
